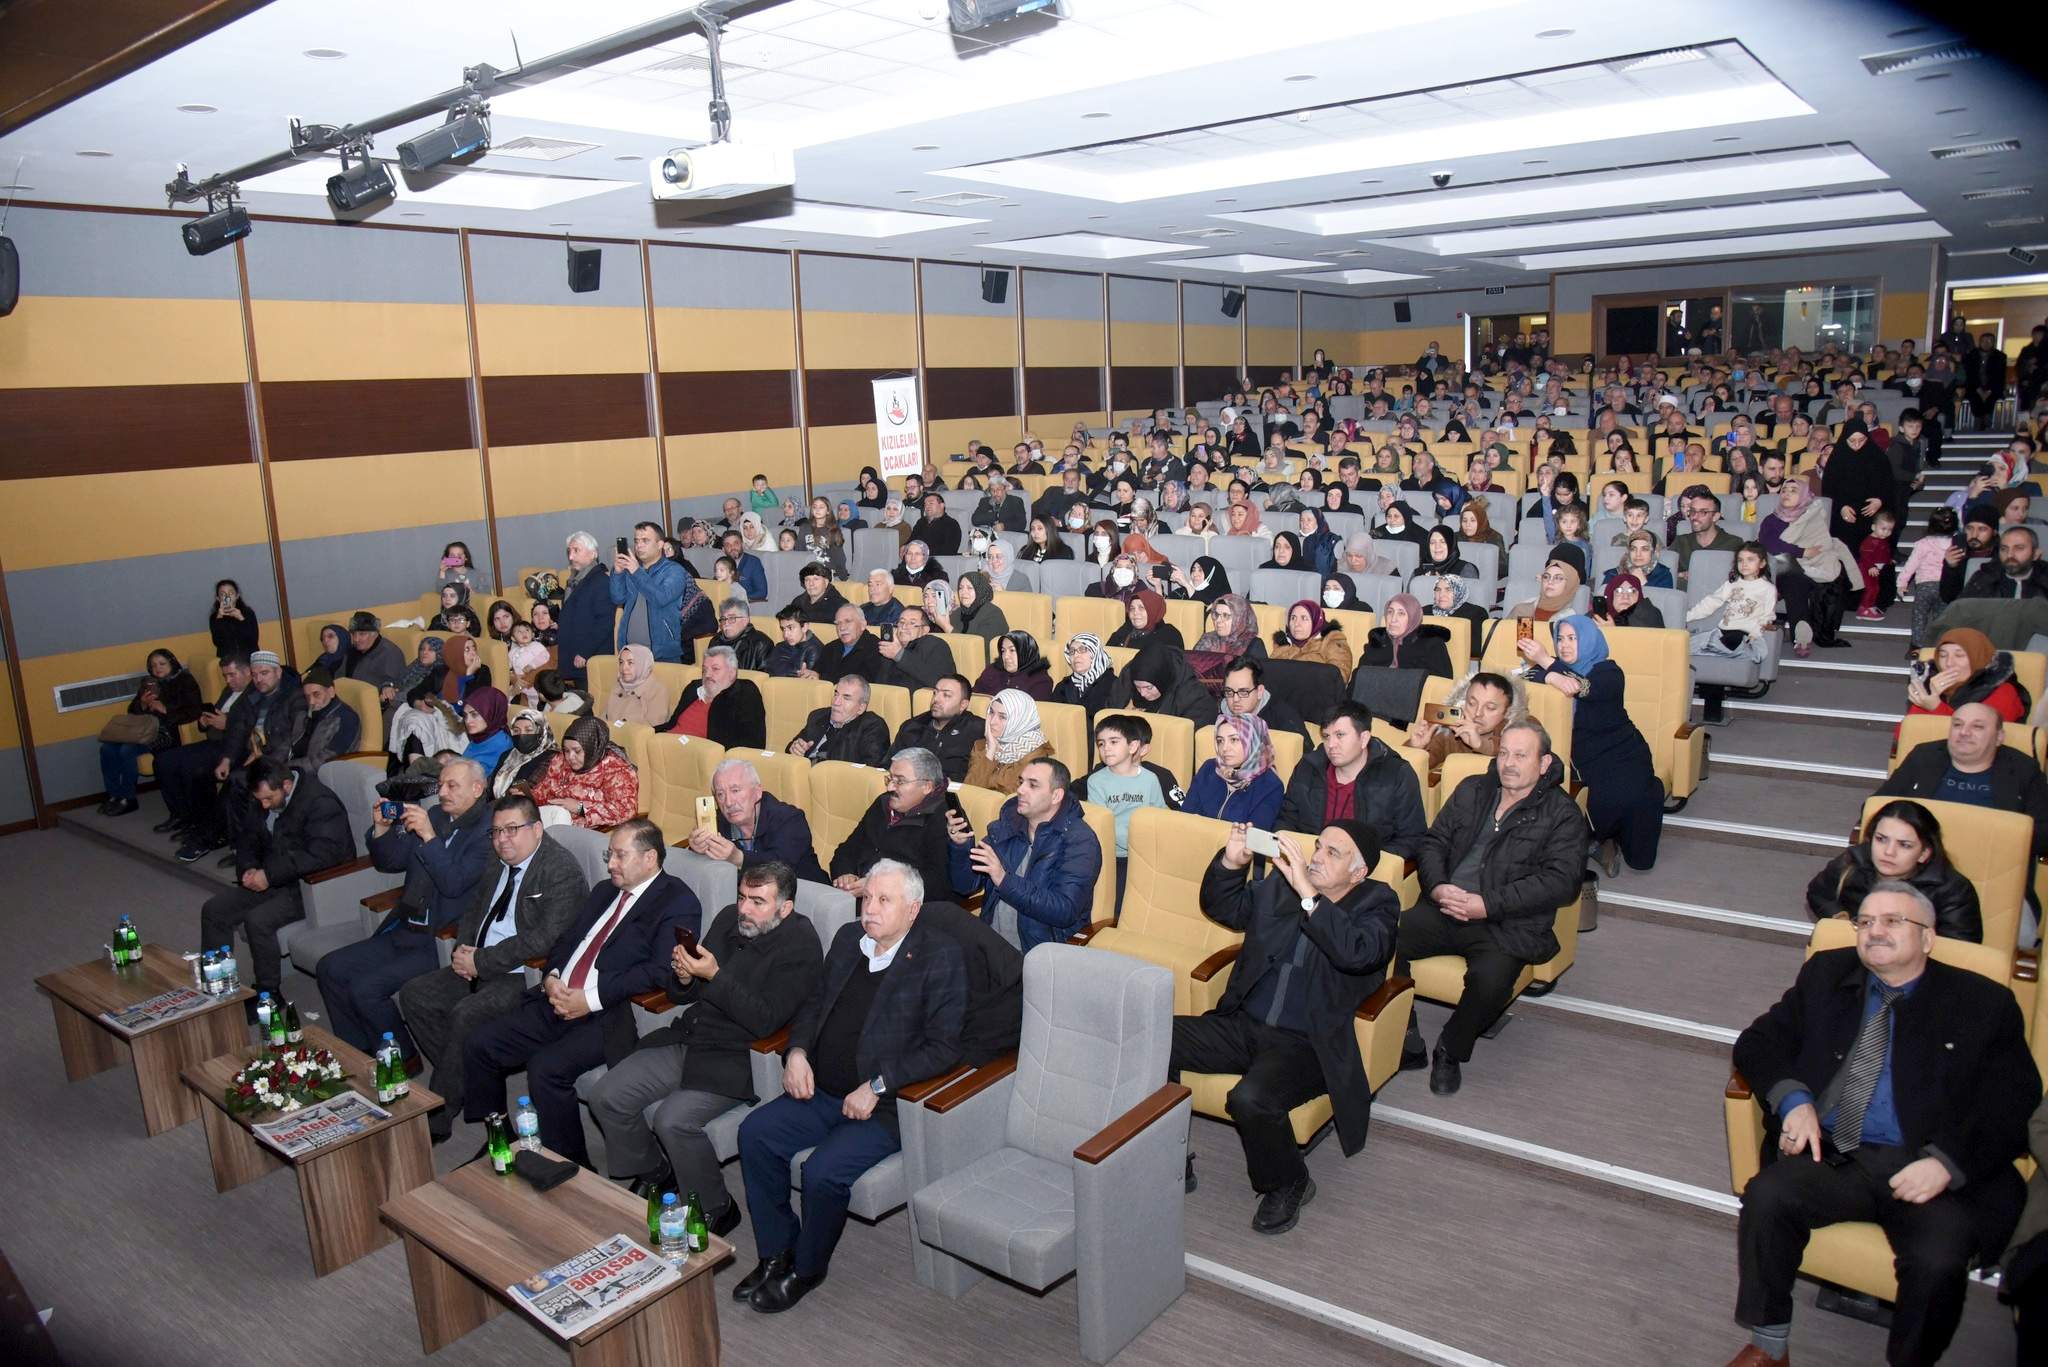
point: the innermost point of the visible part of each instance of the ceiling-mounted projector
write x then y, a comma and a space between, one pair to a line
968, 15
721, 170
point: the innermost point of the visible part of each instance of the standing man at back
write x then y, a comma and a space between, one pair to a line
649, 586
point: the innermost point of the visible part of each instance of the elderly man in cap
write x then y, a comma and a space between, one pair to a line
371, 659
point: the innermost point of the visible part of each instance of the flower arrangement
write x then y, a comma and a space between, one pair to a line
285, 1080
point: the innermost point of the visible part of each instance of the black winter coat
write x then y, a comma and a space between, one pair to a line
1534, 867
918, 839
739, 718
1389, 799
953, 742
752, 646
759, 986
2016, 783
1839, 888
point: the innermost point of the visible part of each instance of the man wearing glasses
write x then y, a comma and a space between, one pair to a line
1245, 693
1896, 1090
523, 903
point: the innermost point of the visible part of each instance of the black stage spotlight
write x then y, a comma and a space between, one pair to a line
467, 133
216, 229
366, 182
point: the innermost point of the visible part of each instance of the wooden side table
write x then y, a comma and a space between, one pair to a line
80, 993
341, 1185
476, 1232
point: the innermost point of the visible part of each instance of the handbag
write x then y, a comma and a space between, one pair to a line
129, 728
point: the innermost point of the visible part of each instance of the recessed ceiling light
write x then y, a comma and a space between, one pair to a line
1934, 76
926, 147
1537, 161
625, 158
1296, 80
1557, 33
325, 54
1728, 137
94, 152
1097, 114
198, 109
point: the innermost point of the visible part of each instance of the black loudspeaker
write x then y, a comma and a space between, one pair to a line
995, 286
1233, 303
584, 266
10, 276
1401, 311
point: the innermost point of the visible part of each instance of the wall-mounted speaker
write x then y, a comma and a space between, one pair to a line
10, 276
995, 286
585, 265
1233, 303
1401, 311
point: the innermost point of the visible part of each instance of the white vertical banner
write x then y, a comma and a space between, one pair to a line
899, 432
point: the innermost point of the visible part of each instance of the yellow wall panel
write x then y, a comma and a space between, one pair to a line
1270, 346
10, 734
954, 433
322, 340
1902, 314
1212, 344
950, 339
724, 339
356, 493
1400, 346
66, 520
837, 453
560, 339
558, 476
859, 341
1144, 344
40, 676
723, 462
1062, 341
1342, 346
53, 342
1054, 428
1571, 333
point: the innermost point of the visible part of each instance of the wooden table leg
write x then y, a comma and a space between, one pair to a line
88, 1046
237, 1155
679, 1330
447, 1303
165, 1052
342, 1191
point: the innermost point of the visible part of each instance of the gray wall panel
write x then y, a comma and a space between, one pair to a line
1202, 304
326, 575
535, 270
354, 265
719, 278
1140, 301
62, 608
955, 289
14, 799
1056, 294
1271, 308
1329, 313
540, 538
853, 284
70, 768
115, 256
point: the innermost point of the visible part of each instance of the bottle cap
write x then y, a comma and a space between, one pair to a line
263, 996
668, 1198
387, 1034
526, 1101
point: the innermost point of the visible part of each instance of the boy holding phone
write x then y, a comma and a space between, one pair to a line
1126, 780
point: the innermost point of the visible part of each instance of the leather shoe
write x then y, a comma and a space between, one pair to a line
765, 1271
650, 1185
1414, 1053
1278, 1210
167, 825
120, 806
1190, 1181
778, 1294
1753, 1356
1444, 1074
727, 1220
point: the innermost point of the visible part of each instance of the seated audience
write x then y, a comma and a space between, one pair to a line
332, 727
1624, 797
975, 612
918, 568
184, 774
939, 532
883, 607
907, 823
1564, 573
1035, 866
750, 645
852, 651
166, 699
796, 655
264, 724
1966, 668
1012, 736
533, 745
754, 826
844, 729
1307, 636
1015, 663
1125, 780
818, 601
914, 658
1238, 785
1158, 681
1975, 767
1354, 776
1471, 719
1091, 681
1905, 845
1448, 598
2017, 573
720, 706
372, 658
1401, 642
303, 829
637, 695
947, 728
590, 781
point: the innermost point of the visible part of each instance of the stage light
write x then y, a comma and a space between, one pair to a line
467, 133
217, 228
366, 182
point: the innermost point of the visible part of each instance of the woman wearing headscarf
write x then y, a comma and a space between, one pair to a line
589, 780
1158, 682
1319, 545
872, 492
1287, 554
1397, 525
1400, 654
1244, 521
1201, 523
892, 519
1564, 573
483, 726
1233, 631
1136, 546
638, 695
1309, 636
453, 595
1624, 800
1015, 662
1859, 481
1012, 737
1122, 579
938, 605
754, 539
1440, 554
1238, 784
1360, 558
1448, 595
1814, 571
1340, 592
533, 746
1144, 622
999, 564
1966, 668
1091, 676
466, 669
333, 649
1475, 527
1204, 581
426, 667
1639, 558
975, 612
1337, 498
1624, 604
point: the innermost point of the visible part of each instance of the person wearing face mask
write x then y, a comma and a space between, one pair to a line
1122, 580
1395, 525
1204, 581
533, 746
919, 567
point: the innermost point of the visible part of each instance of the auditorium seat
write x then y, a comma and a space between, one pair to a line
1162, 920
970, 653
1102, 616
1922, 727
1993, 849
841, 793
2029, 670
891, 702
788, 704
1173, 741
677, 772
1657, 662
1030, 612
362, 699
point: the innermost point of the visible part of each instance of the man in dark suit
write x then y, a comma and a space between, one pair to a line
853, 651
443, 852
757, 964
1318, 935
1000, 508
1896, 1089
300, 828
520, 908
888, 1012
755, 826
581, 1015
906, 823
844, 728
184, 775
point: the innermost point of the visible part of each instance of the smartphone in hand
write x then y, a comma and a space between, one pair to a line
687, 938
1262, 842
707, 815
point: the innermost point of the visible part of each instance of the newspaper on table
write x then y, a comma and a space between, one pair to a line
164, 1006
594, 1284
320, 1124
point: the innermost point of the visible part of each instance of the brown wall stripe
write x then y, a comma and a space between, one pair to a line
1207, 383
969, 392
535, 410
1141, 386
1063, 389
700, 401
836, 398
99, 430
323, 419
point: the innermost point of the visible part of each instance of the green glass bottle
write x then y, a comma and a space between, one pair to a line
277, 1033
700, 1232
497, 1139
294, 1033
653, 1218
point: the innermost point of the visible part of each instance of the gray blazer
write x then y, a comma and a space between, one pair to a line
549, 896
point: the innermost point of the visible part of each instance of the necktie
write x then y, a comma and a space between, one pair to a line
580, 970
501, 906
1853, 1086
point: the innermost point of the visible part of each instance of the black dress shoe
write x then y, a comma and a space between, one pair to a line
727, 1220
765, 1271
106, 808
1444, 1075
1189, 1183
1278, 1210
167, 825
778, 1294
1414, 1053
121, 806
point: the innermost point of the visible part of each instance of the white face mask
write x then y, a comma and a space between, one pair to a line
1078, 523
980, 543
1101, 544
1200, 582
1333, 598
1912, 384
1122, 575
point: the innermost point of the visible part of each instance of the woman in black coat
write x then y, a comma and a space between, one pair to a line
1859, 480
169, 697
231, 621
1904, 843
1405, 643
1624, 797
1091, 681
1159, 681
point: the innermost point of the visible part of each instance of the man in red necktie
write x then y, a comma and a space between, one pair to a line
581, 1015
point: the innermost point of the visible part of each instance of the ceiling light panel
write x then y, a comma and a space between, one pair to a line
1094, 246
1602, 100
1760, 245
1678, 222
1748, 176
1249, 263
840, 220
1356, 276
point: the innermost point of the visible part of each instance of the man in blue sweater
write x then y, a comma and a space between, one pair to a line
1037, 863
649, 587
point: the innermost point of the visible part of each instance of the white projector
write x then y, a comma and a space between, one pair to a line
721, 170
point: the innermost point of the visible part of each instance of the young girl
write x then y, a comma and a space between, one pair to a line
1751, 487
1731, 621
1874, 559
1571, 530
1923, 567
527, 657
1613, 498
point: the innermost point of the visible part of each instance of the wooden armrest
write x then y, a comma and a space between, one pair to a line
2026, 965
537, 962
1087, 933
974, 1084
356, 865
381, 902
447, 932
656, 1001
773, 1044
1738, 1087
1215, 963
1383, 997
366, 754
1130, 1124
918, 1091
1407, 868
1685, 731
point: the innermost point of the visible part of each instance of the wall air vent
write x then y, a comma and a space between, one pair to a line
958, 199
1920, 58
540, 149
2002, 192
77, 697
1975, 149
2026, 222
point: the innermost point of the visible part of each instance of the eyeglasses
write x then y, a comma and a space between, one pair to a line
1886, 922
1239, 693
500, 832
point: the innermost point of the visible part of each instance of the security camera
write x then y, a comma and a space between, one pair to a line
1440, 178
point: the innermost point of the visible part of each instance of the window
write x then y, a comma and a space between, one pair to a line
1806, 316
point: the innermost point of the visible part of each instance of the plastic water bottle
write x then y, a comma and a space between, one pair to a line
675, 1232
230, 971
526, 1125
387, 1062
264, 1011
209, 972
